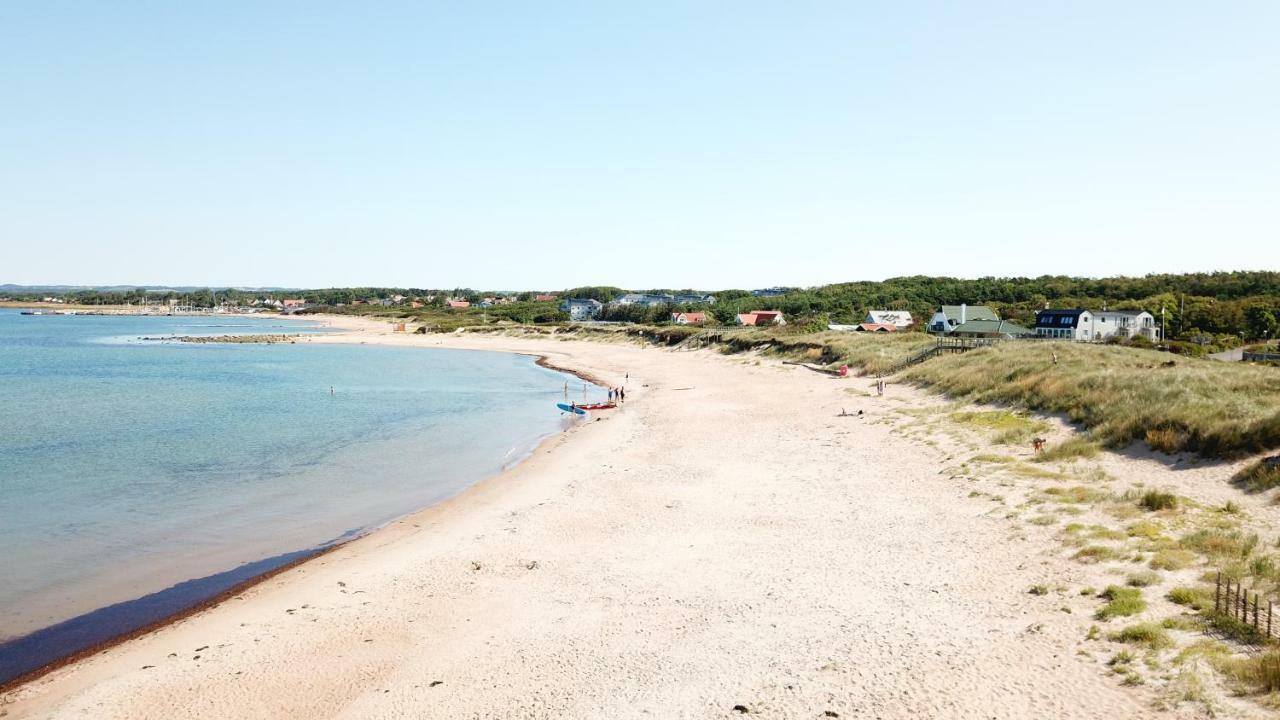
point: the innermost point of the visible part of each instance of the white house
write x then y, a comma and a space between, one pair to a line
1126, 324
900, 319
1089, 326
949, 317
580, 309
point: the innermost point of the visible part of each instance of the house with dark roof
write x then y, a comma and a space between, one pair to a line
1083, 325
1065, 324
950, 317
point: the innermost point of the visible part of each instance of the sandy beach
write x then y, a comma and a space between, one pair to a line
725, 544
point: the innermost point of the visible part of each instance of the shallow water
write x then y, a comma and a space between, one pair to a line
129, 466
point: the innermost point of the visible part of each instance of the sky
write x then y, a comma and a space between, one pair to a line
501, 145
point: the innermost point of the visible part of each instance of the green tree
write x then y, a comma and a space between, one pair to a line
1260, 321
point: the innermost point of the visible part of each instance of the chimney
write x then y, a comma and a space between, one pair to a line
964, 309
1046, 304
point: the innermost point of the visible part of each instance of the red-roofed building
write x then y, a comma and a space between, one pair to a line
458, 304
549, 297
877, 327
688, 318
762, 317
293, 303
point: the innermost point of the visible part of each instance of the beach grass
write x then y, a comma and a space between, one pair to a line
1121, 602
1122, 395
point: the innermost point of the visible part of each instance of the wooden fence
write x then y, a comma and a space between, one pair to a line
1232, 600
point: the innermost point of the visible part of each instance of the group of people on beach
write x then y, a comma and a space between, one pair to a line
617, 394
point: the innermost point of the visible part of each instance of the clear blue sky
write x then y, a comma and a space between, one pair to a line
706, 144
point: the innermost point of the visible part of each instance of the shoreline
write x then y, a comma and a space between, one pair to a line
305, 555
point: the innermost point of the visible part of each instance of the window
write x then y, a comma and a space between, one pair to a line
1064, 320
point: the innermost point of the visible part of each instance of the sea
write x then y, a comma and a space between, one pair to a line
140, 477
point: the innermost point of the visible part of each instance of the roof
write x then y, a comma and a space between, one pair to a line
759, 316
878, 327
971, 312
690, 316
459, 304
991, 327
1052, 317
900, 318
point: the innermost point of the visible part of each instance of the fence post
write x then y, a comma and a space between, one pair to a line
1269, 605
1255, 612
1217, 593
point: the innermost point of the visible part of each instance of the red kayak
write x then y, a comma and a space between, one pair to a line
598, 406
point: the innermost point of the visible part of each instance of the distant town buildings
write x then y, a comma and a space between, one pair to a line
769, 292
457, 304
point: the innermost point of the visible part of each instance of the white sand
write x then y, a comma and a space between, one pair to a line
723, 540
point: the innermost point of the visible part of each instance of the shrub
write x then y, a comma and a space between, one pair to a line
1221, 543
1145, 578
1260, 476
1146, 530
1198, 599
1153, 500
1095, 553
1172, 559
1261, 672
1078, 494
1149, 634
1121, 602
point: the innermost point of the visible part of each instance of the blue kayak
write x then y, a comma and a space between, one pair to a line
569, 408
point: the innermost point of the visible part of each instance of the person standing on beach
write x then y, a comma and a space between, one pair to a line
622, 393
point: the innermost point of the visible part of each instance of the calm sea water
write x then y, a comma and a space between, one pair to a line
128, 466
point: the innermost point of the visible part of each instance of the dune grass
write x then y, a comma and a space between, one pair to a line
1150, 635
1260, 476
1122, 394
1121, 602
1261, 673
1154, 500
1069, 450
